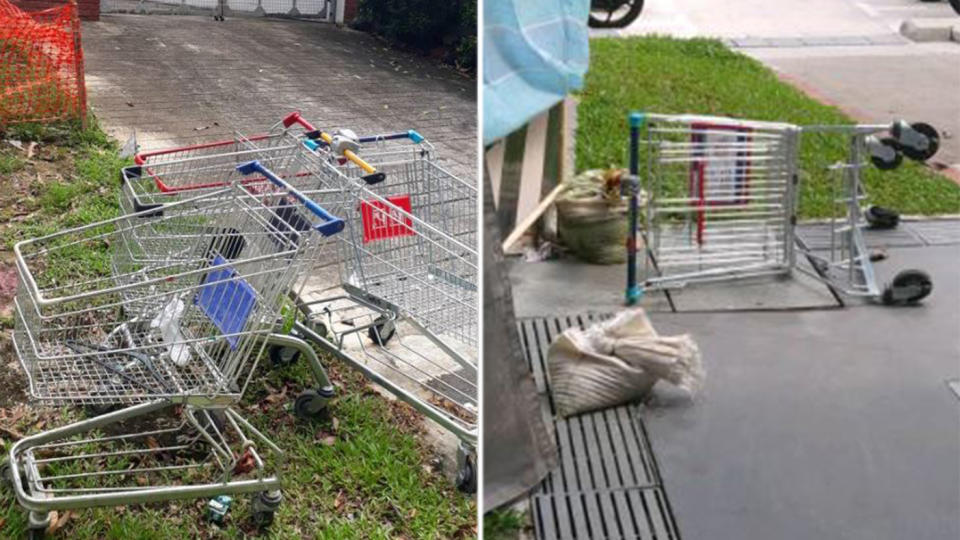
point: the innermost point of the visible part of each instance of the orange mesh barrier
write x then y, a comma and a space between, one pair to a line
41, 65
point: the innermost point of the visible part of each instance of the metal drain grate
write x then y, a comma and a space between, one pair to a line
607, 485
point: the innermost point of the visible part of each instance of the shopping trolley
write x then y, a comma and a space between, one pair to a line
180, 335
395, 265
167, 176
722, 202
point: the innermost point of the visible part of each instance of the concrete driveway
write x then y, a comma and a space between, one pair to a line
847, 52
185, 79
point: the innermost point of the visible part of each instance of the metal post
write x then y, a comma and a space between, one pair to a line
633, 290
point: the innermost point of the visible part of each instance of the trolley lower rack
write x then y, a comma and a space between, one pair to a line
175, 454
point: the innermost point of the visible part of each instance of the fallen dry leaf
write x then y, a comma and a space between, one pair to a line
57, 522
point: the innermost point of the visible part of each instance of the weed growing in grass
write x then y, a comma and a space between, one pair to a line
503, 524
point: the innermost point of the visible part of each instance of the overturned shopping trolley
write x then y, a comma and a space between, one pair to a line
723, 197
176, 339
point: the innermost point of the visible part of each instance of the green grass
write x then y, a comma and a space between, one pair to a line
10, 164
503, 524
701, 76
373, 481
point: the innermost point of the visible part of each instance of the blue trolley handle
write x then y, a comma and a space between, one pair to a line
333, 224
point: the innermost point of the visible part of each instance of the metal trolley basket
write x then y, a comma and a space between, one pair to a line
722, 198
95, 326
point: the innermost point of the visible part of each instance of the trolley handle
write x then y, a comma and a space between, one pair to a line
133, 172
333, 224
314, 133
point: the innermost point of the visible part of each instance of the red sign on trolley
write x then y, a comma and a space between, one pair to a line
382, 221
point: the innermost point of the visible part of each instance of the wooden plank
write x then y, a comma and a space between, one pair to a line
493, 160
511, 175
531, 219
531, 176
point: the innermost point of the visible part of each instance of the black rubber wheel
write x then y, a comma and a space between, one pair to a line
614, 13
908, 287
880, 218
888, 165
6, 476
263, 518
99, 409
219, 419
283, 356
263, 508
931, 134
955, 4
381, 333
467, 477
310, 404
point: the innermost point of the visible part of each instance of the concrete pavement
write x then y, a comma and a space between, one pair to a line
820, 424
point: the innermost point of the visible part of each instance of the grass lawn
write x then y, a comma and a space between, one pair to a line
701, 76
361, 472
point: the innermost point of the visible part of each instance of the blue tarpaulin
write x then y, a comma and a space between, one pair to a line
535, 52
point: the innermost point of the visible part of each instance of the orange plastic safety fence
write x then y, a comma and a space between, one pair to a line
41, 65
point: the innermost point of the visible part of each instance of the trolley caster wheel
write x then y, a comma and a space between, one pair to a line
912, 152
908, 287
6, 475
37, 525
887, 156
466, 480
283, 356
265, 505
311, 403
381, 332
93, 411
881, 218
214, 424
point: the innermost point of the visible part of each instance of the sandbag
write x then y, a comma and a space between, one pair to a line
618, 361
592, 216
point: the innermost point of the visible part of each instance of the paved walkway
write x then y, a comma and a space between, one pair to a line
832, 424
817, 423
185, 79
846, 52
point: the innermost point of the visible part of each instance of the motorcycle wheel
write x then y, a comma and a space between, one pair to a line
618, 13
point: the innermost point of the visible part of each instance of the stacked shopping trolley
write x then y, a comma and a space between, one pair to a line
159, 316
